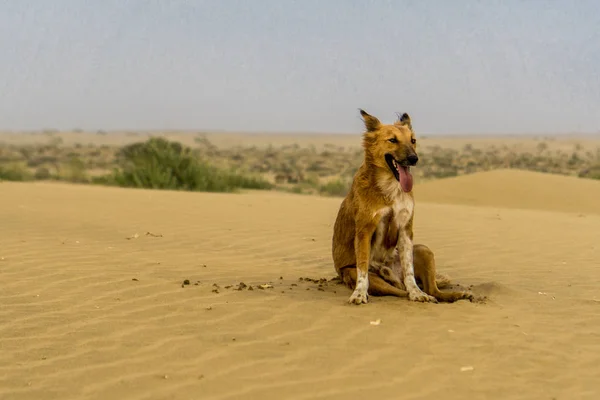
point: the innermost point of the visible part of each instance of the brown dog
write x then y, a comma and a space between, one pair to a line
373, 250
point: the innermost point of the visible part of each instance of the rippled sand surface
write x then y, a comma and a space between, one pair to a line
94, 300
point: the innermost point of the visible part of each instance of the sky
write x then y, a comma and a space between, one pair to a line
477, 67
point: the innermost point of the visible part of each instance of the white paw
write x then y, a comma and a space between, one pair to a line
358, 297
421, 297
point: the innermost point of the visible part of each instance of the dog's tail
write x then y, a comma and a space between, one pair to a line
377, 285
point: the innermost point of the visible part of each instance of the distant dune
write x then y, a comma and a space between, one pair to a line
515, 189
95, 300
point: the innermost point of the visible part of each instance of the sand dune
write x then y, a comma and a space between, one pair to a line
93, 307
516, 189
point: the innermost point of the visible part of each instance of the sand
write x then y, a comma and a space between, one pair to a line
93, 307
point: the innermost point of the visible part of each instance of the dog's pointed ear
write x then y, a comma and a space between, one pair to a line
371, 123
404, 120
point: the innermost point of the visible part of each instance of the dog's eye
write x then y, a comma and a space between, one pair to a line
393, 140
413, 140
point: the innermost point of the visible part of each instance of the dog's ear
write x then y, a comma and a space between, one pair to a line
404, 120
371, 123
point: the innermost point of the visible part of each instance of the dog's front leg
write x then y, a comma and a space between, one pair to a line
362, 247
405, 249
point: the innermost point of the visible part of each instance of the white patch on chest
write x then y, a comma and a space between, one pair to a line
402, 210
403, 205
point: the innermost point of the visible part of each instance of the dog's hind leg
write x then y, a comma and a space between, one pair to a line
424, 264
377, 285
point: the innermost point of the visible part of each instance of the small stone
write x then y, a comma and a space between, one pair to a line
186, 282
265, 286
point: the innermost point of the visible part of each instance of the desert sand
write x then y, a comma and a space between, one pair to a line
93, 303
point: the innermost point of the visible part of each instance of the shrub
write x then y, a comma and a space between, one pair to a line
337, 187
74, 171
42, 173
591, 173
15, 172
161, 164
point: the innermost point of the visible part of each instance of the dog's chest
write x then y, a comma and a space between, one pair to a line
393, 220
399, 212
403, 209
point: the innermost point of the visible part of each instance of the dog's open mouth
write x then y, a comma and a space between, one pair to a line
401, 173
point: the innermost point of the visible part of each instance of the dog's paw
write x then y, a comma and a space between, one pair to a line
358, 297
422, 297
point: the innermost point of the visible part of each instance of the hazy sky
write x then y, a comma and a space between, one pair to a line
279, 65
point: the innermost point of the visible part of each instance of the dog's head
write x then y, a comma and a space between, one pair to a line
392, 148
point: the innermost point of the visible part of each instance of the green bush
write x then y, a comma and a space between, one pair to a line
161, 164
74, 171
42, 174
335, 188
14, 172
591, 173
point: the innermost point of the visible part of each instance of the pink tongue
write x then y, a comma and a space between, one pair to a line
406, 180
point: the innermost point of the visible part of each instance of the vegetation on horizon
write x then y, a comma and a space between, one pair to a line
162, 164
154, 164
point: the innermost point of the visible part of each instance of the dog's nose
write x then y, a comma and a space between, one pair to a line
412, 159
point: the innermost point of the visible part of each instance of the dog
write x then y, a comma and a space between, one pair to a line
372, 243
